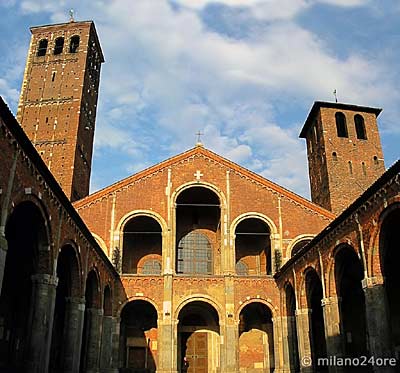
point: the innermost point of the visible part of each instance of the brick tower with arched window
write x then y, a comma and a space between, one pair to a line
344, 152
57, 106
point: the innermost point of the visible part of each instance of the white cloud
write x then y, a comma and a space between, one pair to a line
9, 94
165, 68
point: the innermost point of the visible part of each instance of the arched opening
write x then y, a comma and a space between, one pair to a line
292, 329
198, 231
317, 327
253, 246
26, 237
107, 302
58, 45
142, 246
138, 338
91, 325
341, 125
107, 331
74, 44
198, 338
360, 127
256, 339
390, 258
68, 287
348, 276
299, 245
42, 48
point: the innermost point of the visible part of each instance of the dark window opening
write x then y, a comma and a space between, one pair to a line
364, 168
59, 45
360, 127
74, 44
341, 126
42, 49
376, 159
195, 254
350, 168
334, 156
53, 76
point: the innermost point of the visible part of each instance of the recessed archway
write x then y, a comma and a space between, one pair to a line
389, 242
198, 231
199, 337
256, 339
290, 298
28, 243
138, 336
348, 277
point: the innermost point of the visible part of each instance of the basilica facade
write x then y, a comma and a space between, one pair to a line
195, 264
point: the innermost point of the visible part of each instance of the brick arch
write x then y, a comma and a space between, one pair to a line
107, 300
302, 298
374, 264
282, 292
143, 298
201, 184
145, 258
266, 302
253, 215
330, 278
199, 298
77, 273
295, 241
136, 213
47, 256
96, 297
101, 242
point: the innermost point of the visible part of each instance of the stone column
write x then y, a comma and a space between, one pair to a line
377, 321
278, 344
3, 255
333, 337
75, 309
94, 322
303, 338
289, 343
167, 346
109, 345
230, 348
43, 302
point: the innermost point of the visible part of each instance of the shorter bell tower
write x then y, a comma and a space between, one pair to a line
344, 152
57, 106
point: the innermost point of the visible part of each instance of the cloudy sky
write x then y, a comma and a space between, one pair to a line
244, 72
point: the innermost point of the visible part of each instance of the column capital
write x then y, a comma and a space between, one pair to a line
303, 311
370, 282
75, 300
330, 300
44, 278
95, 311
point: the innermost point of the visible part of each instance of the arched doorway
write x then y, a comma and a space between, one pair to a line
390, 259
253, 248
256, 339
142, 246
317, 327
348, 276
198, 338
68, 290
198, 231
27, 241
91, 325
138, 338
294, 362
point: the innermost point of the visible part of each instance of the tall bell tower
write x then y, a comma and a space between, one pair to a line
344, 152
57, 106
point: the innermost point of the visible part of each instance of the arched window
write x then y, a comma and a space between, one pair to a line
341, 126
242, 268
42, 49
195, 254
58, 45
334, 156
360, 127
74, 44
152, 267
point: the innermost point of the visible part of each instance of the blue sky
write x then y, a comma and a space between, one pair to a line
244, 72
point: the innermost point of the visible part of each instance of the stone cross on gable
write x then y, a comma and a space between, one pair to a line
198, 175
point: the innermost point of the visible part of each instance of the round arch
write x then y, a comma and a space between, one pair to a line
100, 241
302, 299
295, 241
253, 215
136, 298
200, 184
136, 213
96, 271
274, 310
199, 298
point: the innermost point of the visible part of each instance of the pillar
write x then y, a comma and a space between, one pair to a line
94, 322
3, 256
168, 346
230, 348
75, 309
43, 302
377, 321
303, 338
333, 337
278, 344
289, 343
109, 352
